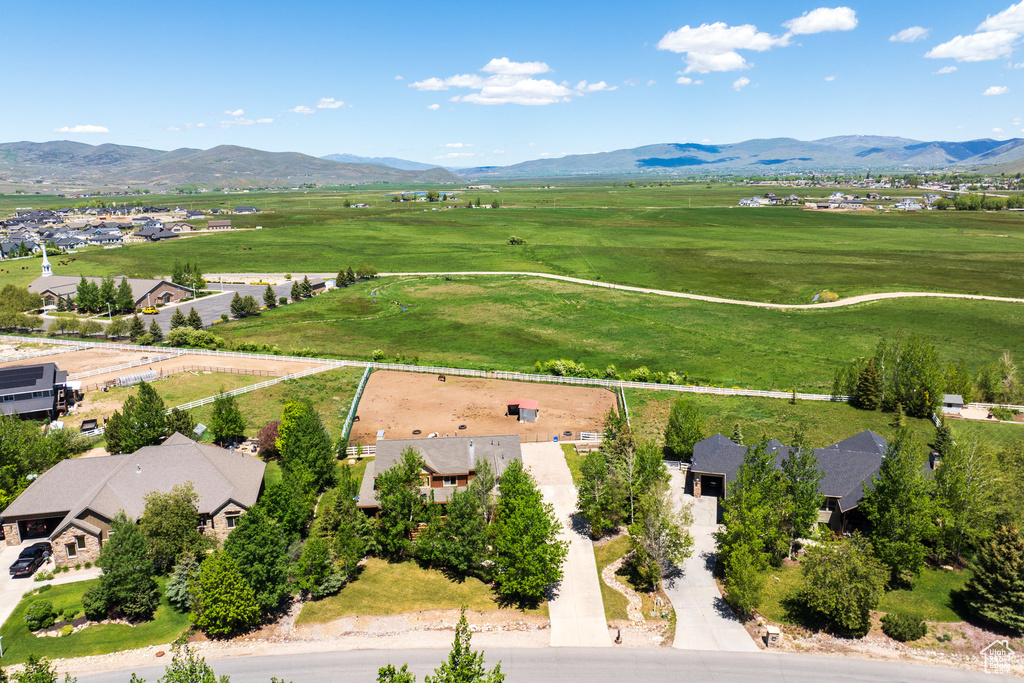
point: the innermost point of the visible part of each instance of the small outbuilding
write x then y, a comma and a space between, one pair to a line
952, 404
525, 409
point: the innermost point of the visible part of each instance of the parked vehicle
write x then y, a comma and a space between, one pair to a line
149, 310
30, 559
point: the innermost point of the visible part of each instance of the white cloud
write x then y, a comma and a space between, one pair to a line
302, 109
910, 35
712, 47
1010, 19
651, 82
823, 19
455, 155
996, 90
399, 78
830, 78
433, 107
998, 131
82, 128
329, 103
945, 70
195, 125
505, 67
740, 83
976, 47
236, 112
174, 128
457, 145
498, 151
241, 121
705, 141
1016, 121
265, 120
509, 83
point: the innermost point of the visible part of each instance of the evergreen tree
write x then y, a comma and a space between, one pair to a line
107, 293
126, 585
178, 319
178, 589
113, 432
526, 552
224, 603
314, 566
307, 287
181, 422
61, 306
155, 331
259, 548
996, 591
140, 422
305, 446
399, 500
136, 328
686, 426
296, 292
898, 421
899, 508
227, 422
869, 387
87, 296
237, 306
195, 321
462, 545
350, 275
737, 435
464, 665
124, 299
269, 298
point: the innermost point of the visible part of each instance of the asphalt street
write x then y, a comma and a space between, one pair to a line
577, 665
211, 307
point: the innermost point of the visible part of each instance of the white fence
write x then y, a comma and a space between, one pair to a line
126, 366
38, 353
355, 404
591, 436
353, 451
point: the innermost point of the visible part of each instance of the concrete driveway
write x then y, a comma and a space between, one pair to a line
12, 590
703, 619
576, 610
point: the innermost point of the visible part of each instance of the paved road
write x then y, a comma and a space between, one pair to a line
12, 590
578, 666
577, 611
703, 620
211, 307
720, 300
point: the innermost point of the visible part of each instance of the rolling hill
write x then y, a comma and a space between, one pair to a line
74, 164
393, 162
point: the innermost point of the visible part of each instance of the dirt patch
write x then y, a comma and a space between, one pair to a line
85, 360
400, 402
264, 369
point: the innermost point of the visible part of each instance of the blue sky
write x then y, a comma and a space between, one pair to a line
467, 84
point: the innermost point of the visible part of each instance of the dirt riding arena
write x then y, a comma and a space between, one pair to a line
400, 402
84, 360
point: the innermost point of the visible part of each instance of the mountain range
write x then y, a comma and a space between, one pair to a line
74, 164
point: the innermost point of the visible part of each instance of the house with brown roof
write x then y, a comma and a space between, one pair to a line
449, 463
72, 503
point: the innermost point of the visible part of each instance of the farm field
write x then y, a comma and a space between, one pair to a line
493, 322
683, 238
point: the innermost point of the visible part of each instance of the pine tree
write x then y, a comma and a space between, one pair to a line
107, 293
227, 422
296, 292
181, 422
237, 306
737, 435
269, 298
464, 665
898, 421
996, 591
307, 287
142, 421
195, 321
136, 328
125, 298
350, 275
61, 307
178, 319
224, 602
155, 331
307, 451
178, 590
869, 387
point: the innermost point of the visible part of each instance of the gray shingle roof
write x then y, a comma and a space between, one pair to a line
63, 285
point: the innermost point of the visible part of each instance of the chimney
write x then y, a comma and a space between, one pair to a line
138, 469
472, 453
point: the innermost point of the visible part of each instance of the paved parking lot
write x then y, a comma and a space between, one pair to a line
211, 307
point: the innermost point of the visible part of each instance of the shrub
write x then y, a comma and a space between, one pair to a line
44, 576
88, 565
224, 317
39, 615
828, 297
94, 605
903, 627
67, 630
283, 300
1002, 414
43, 589
78, 565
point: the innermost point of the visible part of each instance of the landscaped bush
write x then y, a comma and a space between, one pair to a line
44, 576
67, 630
827, 297
1003, 414
903, 627
94, 605
88, 565
40, 615
569, 368
43, 589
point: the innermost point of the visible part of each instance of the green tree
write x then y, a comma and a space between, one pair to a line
269, 298
462, 546
90, 328
224, 602
38, 670
596, 499
638, 468
178, 319
803, 481
660, 535
464, 665
869, 387
107, 293
307, 451
737, 435
19, 299
389, 674
843, 581
399, 500
117, 328
966, 482
136, 328
307, 287
87, 296
195, 321
290, 504
181, 422
526, 552
259, 548
155, 331
227, 423
188, 667
686, 426
350, 275
296, 293
996, 592
237, 306
124, 299
314, 565
178, 590
126, 585
899, 508
170, 523
141, 422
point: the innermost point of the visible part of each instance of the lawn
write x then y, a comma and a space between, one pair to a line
615, 603
575, 461
19, 642
395, 588
492, 322
823, 423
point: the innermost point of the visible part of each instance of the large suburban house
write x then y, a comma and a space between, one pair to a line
847, 466
34, 392
449, 463
145, 291
72, 503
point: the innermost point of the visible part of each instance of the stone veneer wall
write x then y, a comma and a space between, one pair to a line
12, 535
220, 521
90, 553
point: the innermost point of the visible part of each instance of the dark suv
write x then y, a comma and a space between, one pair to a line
30, 559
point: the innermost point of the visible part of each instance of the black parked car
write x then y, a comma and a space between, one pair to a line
30, 559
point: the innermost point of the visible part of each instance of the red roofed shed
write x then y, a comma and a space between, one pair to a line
525, 408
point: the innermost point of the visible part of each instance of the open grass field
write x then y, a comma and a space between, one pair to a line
395, 588
493, 322
19, 642
684, 238
822, 422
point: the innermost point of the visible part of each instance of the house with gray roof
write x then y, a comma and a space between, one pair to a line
847, 467
449, 463
145, 291
34, 392
72, 503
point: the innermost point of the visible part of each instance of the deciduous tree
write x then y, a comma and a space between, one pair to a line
227, 422
170, 523
686, 426
399, 501
307, 452
259, 548
843, 581
660, 535
224, 602
126, 585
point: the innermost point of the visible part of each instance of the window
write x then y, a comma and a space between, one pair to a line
80, 542
72, 551
450, 481
232, 520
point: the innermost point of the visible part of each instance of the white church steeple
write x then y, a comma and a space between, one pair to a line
47, 271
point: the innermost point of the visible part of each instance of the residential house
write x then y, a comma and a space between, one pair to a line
34, 392
178, 227
192, 215
218, 225
449, 463
73, 503
246, 209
